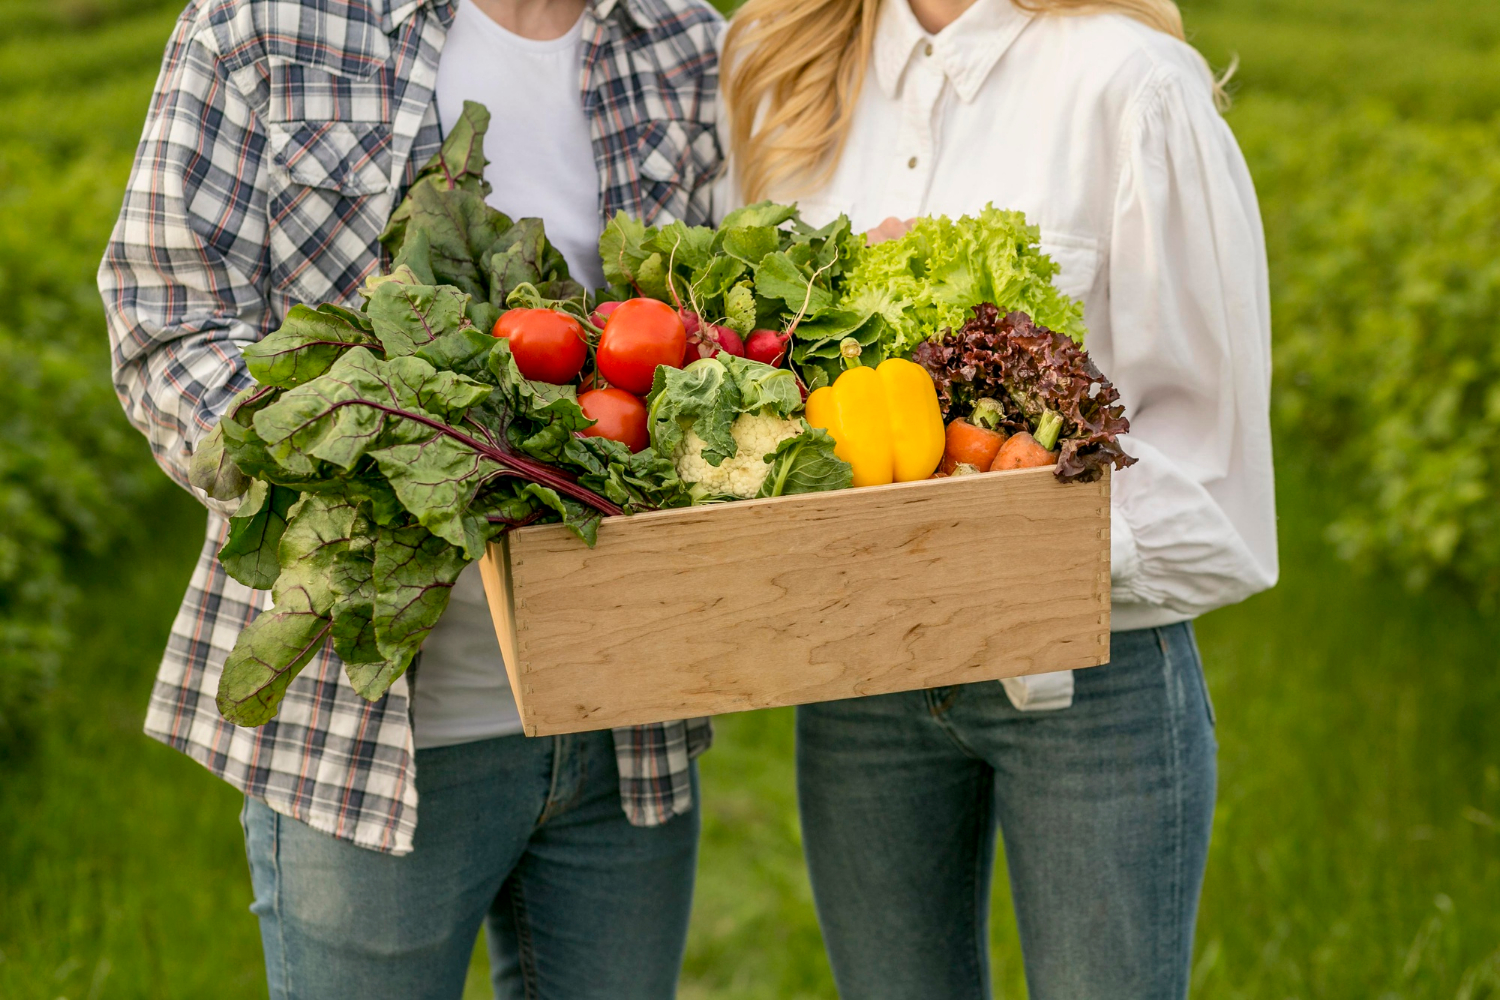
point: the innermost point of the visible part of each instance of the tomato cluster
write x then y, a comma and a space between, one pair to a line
638, 335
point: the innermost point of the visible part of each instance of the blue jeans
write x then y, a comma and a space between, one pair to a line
1105, 807
525, 835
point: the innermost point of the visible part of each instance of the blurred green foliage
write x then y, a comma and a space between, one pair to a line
1434, 60
71, 469
1386, 238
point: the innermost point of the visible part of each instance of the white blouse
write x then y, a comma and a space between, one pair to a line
1104, 132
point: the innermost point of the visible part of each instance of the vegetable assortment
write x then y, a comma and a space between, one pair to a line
478, 389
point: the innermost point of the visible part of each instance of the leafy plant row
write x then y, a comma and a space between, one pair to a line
1384, 239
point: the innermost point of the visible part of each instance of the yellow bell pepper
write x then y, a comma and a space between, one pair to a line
885, 421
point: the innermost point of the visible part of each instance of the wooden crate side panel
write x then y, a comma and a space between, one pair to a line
494, 569
800, 599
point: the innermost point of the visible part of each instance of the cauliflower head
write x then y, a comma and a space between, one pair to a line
756, 435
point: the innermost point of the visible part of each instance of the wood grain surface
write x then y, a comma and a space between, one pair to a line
791, 600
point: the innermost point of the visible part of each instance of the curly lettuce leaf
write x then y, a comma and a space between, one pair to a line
929, 280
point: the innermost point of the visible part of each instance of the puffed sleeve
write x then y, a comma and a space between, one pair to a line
183, 278
1194, 523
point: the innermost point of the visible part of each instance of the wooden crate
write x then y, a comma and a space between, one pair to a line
728, 607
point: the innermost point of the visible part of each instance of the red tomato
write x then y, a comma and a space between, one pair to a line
621, 417
640, 335
548, 346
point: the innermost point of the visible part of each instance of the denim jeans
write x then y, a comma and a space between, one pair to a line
526, 835
1105, 807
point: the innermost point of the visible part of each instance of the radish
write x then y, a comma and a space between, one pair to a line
601, 312
728, 340
767, 346
707, 340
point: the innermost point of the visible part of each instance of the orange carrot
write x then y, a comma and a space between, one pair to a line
970, 444
1021, 451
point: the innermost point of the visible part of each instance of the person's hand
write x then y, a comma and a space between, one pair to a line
892, 228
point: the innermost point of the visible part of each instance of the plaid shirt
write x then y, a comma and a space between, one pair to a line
281, 135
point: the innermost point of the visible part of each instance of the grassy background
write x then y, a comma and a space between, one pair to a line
1357, 840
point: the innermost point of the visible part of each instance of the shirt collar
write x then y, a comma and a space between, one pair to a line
967, 49
398, 12
604, 8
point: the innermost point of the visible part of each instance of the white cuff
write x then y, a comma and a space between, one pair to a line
1040, 692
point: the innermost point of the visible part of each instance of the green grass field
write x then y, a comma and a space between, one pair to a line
1357, 839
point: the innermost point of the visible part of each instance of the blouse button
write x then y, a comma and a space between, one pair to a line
928, 50
912, 163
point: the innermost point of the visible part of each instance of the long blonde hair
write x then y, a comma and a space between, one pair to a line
794, 70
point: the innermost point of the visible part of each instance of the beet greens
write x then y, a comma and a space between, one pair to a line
385, 446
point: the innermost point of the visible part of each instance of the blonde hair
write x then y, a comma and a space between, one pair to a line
794, 70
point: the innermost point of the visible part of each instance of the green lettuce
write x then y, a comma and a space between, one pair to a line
908, 290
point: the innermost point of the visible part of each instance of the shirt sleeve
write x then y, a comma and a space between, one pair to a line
184, 276
1193, 523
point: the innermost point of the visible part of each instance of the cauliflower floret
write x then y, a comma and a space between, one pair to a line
756, 435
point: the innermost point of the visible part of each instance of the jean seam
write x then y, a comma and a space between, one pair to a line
286, 982
1208, 701
1178, 807
957, 740
980, 912
524, 947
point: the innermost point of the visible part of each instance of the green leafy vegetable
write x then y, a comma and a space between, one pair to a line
306, 345
763, 268
806, 464
926, 282
384, 447
250, 554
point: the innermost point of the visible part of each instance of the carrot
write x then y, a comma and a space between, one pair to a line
1022, 451
969, 444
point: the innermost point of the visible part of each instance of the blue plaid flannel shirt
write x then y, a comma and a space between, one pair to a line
281, 135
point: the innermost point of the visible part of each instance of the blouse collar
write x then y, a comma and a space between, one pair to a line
967, 49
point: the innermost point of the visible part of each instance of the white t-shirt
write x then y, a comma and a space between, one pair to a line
542, 166
539, 146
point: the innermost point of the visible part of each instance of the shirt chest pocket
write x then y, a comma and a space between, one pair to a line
329, 130
352, 159
674, 157
330, 162
1077, 258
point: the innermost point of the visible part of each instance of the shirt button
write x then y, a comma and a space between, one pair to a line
928, 50
912, 163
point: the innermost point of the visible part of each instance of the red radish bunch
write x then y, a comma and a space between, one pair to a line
767, 346
707, 339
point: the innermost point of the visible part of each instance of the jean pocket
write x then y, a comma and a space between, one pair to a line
1197, 667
